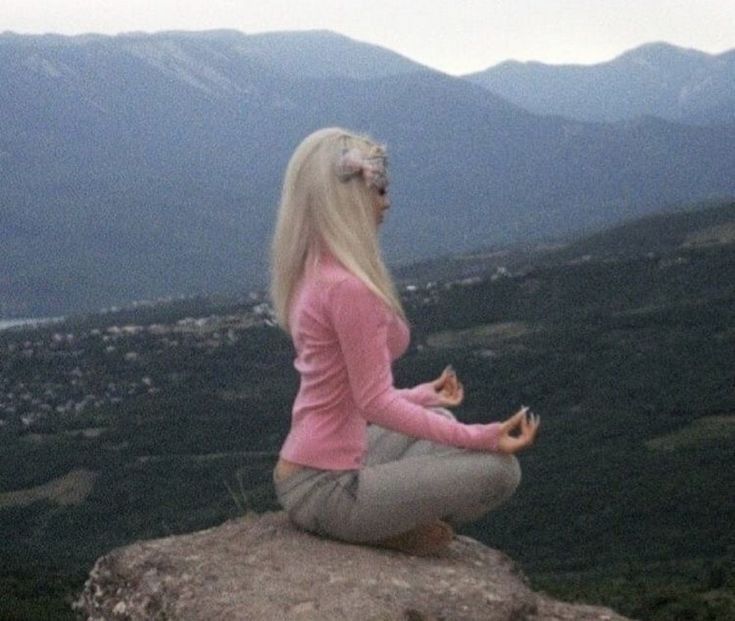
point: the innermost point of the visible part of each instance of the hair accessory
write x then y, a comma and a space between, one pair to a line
353, 163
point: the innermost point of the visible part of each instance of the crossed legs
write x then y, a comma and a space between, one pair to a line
407, 483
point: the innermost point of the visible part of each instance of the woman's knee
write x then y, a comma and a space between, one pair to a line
514, 472
510, 476
503, 477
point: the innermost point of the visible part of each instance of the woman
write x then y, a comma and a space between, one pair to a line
416, 471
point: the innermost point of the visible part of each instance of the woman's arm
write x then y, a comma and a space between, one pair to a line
361, 320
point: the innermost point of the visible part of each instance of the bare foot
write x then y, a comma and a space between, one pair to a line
422, 540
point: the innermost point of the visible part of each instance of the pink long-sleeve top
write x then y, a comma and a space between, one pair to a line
346, 338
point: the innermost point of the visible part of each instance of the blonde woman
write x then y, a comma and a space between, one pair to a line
365, 462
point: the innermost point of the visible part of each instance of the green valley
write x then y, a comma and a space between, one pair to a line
153, 421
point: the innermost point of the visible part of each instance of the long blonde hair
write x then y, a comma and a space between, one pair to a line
319, 212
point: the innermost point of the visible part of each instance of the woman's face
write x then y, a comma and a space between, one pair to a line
381, 202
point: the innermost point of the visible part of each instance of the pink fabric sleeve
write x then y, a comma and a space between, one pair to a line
360, 320
423, 394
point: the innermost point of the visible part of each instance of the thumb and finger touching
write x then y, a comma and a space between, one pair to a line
523, 421
449, 387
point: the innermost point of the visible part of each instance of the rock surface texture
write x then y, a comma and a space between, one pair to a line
263, 568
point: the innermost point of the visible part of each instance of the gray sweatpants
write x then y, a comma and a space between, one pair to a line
405, 482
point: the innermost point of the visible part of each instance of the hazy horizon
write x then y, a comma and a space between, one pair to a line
452, 37
154, 32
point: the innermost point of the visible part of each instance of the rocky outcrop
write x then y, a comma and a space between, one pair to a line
263, 568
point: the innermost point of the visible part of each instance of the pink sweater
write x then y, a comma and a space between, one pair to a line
346, 339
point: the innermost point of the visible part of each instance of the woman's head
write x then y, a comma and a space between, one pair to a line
334, 195
332, 180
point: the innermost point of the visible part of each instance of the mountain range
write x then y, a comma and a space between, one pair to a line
656, 79
147, 165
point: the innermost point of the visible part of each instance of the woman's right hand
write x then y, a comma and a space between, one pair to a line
526, 423
448, 388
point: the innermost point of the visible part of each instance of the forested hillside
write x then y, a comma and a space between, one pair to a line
167, 419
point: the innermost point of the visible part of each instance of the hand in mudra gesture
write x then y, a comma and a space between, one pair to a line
516, 433
448, 388
519, 431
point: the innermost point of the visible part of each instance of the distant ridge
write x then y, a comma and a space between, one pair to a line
298, 54
656, 79
322, 53
662, 233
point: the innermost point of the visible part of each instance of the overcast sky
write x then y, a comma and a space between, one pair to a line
457, 36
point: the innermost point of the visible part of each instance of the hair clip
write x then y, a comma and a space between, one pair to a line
350, 164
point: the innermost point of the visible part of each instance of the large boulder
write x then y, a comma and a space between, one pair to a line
263, 568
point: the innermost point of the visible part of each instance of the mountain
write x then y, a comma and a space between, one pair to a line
655, 79
140, 166
322, 54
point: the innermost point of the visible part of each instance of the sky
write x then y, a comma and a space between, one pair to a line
456, 37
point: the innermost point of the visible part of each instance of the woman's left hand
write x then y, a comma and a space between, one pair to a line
448, 388
519, 431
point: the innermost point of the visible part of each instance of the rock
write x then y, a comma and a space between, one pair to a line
264, 568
